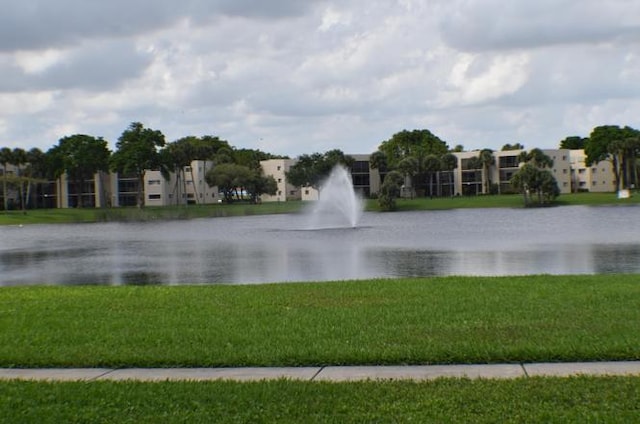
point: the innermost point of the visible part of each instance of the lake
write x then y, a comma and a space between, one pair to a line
280, 248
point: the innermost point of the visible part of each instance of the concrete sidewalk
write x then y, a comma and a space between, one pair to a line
329, 373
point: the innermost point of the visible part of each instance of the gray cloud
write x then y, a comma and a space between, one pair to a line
35, 24
297, 77
493, 24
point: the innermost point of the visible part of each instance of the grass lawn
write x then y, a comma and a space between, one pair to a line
535, 400
54, 216
403, 321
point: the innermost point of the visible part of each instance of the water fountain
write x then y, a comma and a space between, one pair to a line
338, 205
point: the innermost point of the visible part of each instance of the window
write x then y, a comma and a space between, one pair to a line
564, 157
564, 171
564, 184
279, 180
581, 171
155, 197
279, 167
279, 192
292, 193
306, 192
154, 182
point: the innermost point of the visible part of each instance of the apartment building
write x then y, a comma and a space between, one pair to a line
471, 179
596, 178
277, 168
366, 181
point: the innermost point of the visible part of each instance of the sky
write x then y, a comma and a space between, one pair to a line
292, 77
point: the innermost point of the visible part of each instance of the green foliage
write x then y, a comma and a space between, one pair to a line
516, 146
447, 400
621, 146
400, 321
137, 151
573, 142
416, 143
312, 170
390, 191
530, 180
80, 156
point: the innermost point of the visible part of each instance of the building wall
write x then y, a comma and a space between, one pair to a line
277, 168
470, 181
596, 178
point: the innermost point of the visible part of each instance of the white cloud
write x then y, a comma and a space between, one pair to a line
298, 77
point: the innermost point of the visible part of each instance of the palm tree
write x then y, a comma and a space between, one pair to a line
487, 160
6, 157
378, 160
19, 158
431, 165
449, 162
409, 167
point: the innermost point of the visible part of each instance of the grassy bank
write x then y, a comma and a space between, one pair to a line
533, 400
404, 321
53, 216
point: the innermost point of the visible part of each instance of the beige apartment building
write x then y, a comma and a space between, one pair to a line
366, 181
597, 178
189, 186
472, 181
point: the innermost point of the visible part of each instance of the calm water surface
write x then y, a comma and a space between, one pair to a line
280, 248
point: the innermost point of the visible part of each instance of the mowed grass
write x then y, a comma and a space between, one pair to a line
81, 215
403, 321
508, 201
55, 216
535, 400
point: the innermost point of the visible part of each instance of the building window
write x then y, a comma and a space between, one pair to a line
279, 192
279, 180
279, 167
155, 197
154, 182
564, 171
292, 193
306, 192
187, 169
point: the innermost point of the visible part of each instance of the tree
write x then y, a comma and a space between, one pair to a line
390, 191
5, 159
137, 151
80, 156
487, 160
416, 143
36, 171
19, 159
312, 170
534, 178
431, 165
449, 162
378, 160
229, 177
573, 142
620, 146
259, 184
516, 146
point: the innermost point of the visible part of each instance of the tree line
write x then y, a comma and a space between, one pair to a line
417, 157
138, 149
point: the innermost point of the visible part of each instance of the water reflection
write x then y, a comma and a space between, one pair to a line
257, 249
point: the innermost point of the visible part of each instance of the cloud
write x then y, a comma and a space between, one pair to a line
297, 77
475, 25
